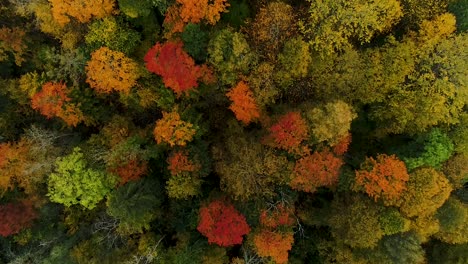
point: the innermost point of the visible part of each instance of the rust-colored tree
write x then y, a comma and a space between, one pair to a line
81, 10
222, 224
53, 101
316, 170
274, 244
15, 217
11, 40
12, 164
384, 177
173, 23
129, 170
342, 146
288, 134
278, 216
179, 162
109, 71
195, 10
176, 67
185, 180
172, 130
243, 103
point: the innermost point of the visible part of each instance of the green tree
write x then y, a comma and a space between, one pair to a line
294, 62
74, 182
453, 218
195, 41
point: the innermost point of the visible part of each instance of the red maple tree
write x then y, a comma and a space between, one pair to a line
385, 177
316, 170
175, 66
15, 217
288, 133
222, 224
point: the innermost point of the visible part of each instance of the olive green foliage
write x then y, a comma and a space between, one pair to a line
237, 13
294, 61
393, 222
453, 218
456, 170
134, 205
416, 11
112, 33
459, 134
458, 8
230, 54
74, 182
429, 149
195, 41
444, 253
134, 9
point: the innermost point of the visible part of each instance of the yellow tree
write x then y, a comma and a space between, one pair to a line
172, 130
109, 71
81, 10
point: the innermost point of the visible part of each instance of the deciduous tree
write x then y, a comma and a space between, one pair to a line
274, 244
243, 103
195, 11
184, 180
81, 10
288, 133
12, 41
15, 217
172, 130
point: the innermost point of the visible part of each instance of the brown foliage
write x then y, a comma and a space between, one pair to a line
11, 40
15, 217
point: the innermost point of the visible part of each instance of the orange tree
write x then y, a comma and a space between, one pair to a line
172, 130
81, 10
243, 103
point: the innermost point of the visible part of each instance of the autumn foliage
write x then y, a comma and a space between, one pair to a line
222, 224
15, 217
342, 146
288, 133
130, 170
172, 130
195, 10
277, 217
11, 40
176, 67
81, 10
316, 170
179, 162
53, 101
12, 164
243, 103
274, 244
384, 177
109, 71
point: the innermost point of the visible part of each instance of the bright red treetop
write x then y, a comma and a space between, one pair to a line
384, 177
222, 224
15, 217
243, 103
175, 66
288, 133
316, 170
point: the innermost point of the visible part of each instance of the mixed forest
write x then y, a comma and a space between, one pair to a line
233, 131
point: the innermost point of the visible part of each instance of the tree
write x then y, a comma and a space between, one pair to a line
230, 54
294, 61
459, 135
195, 41
456, 170
12, 41
342, 146
416, 12
194, 11
53, 101
274, 244
330, 122
112, 33
243, 103
81, 10
185, 180
134, 205
330, 25
109, 71
73, 182
16, 217
176, 67
172, 130
320, 169
12, 164
426, 191
384, 177
222, 224
288, 133
453, 218
272, 26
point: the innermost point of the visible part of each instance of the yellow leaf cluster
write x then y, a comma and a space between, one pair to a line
109, 71
81, 10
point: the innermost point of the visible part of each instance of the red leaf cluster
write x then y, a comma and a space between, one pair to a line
130, 170
15, 217
384, 177
175, 66
288, 133
179, 162
222, 224
316, 170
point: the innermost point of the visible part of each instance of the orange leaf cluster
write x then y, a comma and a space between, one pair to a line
316, 170
130, 170
11, 40
179, 162
195, 10
342, 146
15, 217
288, 133
81, 10
243, 103
222, 224
384, 177
281, 216
53, 101
274, 244
176, 67
12, 163
173, 23
109, 71
172, 130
